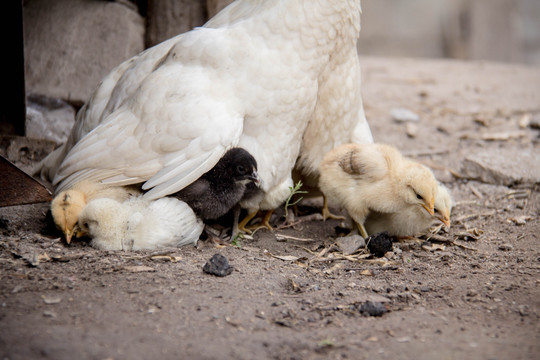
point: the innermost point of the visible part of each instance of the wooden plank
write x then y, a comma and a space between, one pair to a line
12, 103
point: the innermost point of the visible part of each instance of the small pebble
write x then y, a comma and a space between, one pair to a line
534, 122
523, 310
403, 115
350, 244
4, 223
524, 121
506, 247
49, 314
51, 299
411, 130
218, 265
373, 308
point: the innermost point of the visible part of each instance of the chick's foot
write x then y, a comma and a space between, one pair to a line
327, 214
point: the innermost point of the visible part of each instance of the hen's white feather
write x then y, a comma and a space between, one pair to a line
139, 224
278, 78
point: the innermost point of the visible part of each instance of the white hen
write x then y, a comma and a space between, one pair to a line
257, 76
139, 224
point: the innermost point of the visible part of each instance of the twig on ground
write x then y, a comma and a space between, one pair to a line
475, 191
464, 218
283, 237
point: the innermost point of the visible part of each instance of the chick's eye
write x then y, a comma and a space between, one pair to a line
435, 211
419, 197
241, 169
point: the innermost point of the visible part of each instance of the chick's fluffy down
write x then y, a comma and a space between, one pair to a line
412, 221
139, 224
365, 178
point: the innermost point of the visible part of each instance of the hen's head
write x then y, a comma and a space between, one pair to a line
65, 209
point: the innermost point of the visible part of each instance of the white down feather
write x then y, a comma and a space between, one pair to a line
139, 224
279, 78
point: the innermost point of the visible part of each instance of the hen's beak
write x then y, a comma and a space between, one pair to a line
429, 207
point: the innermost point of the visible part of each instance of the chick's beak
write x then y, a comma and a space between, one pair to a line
79, 232
429, 207
445, 219
254, 176
68, 235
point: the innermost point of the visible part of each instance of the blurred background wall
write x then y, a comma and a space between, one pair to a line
70, 45
493, 30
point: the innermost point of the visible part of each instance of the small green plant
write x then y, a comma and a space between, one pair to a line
294, 191
236, 240
328, 342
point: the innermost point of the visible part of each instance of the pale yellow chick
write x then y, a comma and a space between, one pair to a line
363, 178
415, 220
140, 224
443, 205
68, 204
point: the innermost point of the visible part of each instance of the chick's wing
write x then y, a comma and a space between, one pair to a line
363, 161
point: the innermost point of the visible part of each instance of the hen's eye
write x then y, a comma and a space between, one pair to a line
241, 169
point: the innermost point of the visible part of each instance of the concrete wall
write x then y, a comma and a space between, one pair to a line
71, 44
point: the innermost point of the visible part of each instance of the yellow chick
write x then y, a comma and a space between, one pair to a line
412, 221
443, 205
68, 204
375, 177
140, 224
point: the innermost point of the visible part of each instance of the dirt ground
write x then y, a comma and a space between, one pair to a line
472, 292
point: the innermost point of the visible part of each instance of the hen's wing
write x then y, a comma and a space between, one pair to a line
174, 129
111, 93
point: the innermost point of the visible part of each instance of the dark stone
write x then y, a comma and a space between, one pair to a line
379, 244
4, 223
373, 308
218, 265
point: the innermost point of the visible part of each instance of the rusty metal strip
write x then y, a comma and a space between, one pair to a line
19, 188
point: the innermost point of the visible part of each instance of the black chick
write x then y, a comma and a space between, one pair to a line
220, 189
